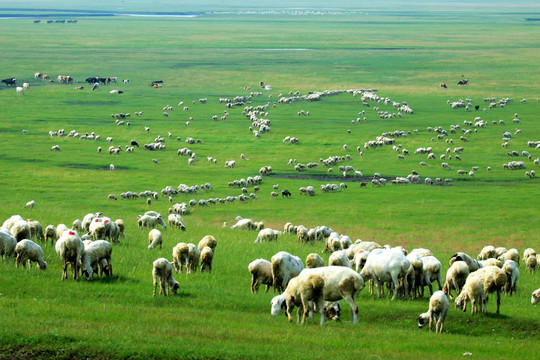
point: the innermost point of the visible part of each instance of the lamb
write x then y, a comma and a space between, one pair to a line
27, 250
339, 258
207, 255
456, 276
69, 248
162, 271
302, 290
267, 235
176, 220
493, 279
314, 260
385, 266
438, 309
7, 244
473, 290
512, 274
50, 233
154, 239
261, 273
339, 283
97, 254
535, 298
180, 256
209, 241
284, 267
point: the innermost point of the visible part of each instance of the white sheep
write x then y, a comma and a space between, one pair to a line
512, 274
50, 233
473, 290
531, 263
493, 279
261, 273
69, 248
36, 230
416, 262
176, 220
154, 239
432, 272
31, 204
244, 224
339, 258
207, 256
180, 256
456, 276
339, 283
461, 256
97, 229
20, 230
438, 309
386, 266
284, 267
314, 260
29, 251
487, 252
535, 298
194, 256
511, 254
97, 256
207, 240
304, 291
162, 271
267, 235
7, 244
150, 221
528, 252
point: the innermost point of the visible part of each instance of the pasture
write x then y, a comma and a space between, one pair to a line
403, 54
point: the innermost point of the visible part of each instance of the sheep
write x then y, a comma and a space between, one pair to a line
50, 233
120, 224
438, 309
162, 271
512, 274
511, 254
528, 252
261, 273
493, 279
314, 260
432, 271
193, 258
7, 244
150, 221
491, 262
36, 230
209, 241
97, 229
473, 290
473, 264
535, 298
20, 230
207, 255
28, 251
531, 263
302, 290
69, 248
96, 254
284, 267
339, 258
385, 266
267, 235
416, 262
456, 276
180, 256
245, 224
31, 204
339, 283
154, 239
176, 220
487, 252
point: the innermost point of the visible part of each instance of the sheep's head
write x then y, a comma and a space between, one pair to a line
278, 304
461, 302
175, 287
423, 319
42, 266
88, 273
333, 311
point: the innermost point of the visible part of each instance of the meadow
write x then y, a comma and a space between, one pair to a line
403, 53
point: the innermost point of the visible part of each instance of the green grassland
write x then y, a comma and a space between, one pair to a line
403, 53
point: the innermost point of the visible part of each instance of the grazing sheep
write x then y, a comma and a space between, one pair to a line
535, 298
339, 283
97, 229
20, 230
438, 308
207, 255
245, 224
209, 241
491, 262
162, 271
473, 290
531, 263
302, 290
194, 256
97, 254
284, 267
386, 266
511, 254
31, 204
461, 256
180, 256
493, 279
339, 258
154, 239
176, 220
36, 230
69, 248
28, 251
512, 274
150, 221
7, 244
456, 276
416, 262
267, 235
50, 233
528, 252
432, 272
314, 260
261, 273
487, 252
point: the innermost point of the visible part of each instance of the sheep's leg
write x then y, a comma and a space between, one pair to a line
431, 320
155, 287
254, 283
354, 308
395, 281
498, 300
427, 281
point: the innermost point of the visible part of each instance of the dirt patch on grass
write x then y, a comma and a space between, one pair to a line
91, 167
90, 103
